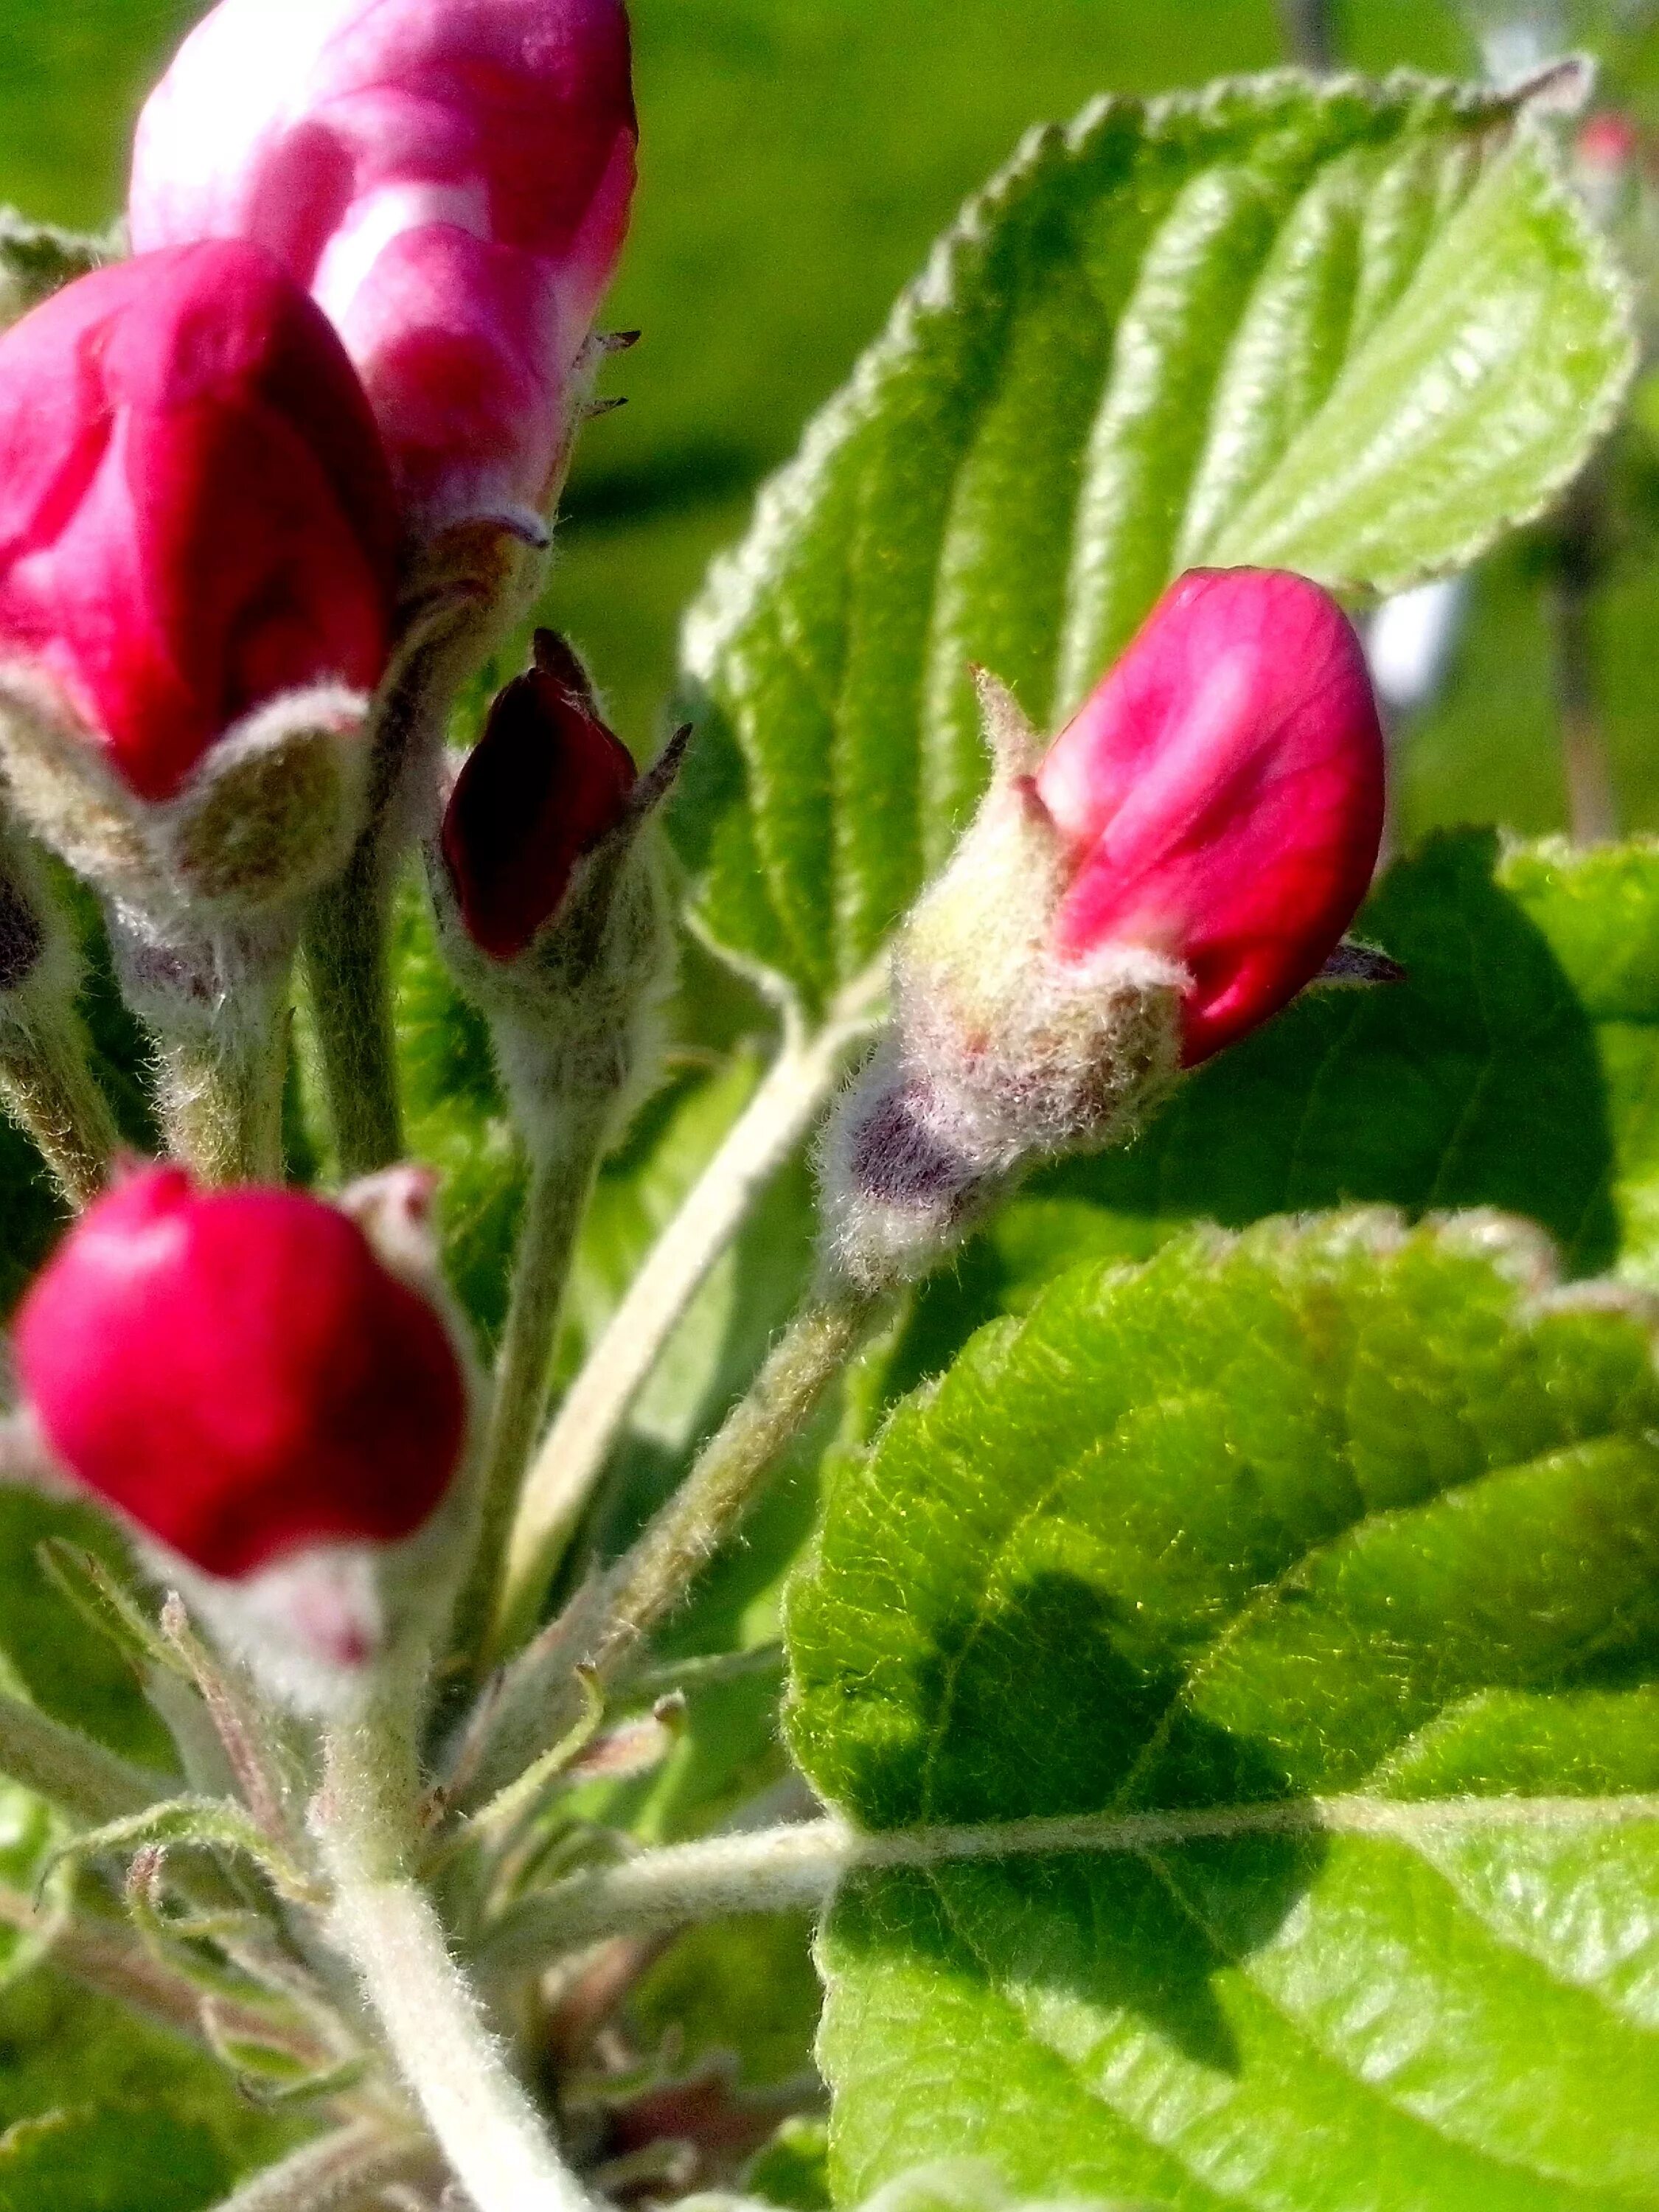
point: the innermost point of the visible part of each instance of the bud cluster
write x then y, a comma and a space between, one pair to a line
238, 472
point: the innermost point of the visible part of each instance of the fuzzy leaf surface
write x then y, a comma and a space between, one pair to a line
1351, 1514
1355, 330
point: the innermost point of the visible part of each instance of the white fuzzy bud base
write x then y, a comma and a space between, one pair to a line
1001, 1054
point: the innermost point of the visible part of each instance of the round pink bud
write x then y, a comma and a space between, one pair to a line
1220, 797
195, 512
450, 178
546, 784
240, 1375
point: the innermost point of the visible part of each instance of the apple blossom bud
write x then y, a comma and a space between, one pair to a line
1219, 798
546, 784
1184, 860
453, 182
240, 1375
198, 548
550, 905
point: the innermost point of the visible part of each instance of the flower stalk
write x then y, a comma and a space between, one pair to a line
603, 1633
561, 1183
52, 1093
567, 1469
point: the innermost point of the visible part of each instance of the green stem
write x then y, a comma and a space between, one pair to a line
216, 1004
219, 1093
346, 959
559, 1191
481, 2116
566, 1470
604, 1631
72, 1771
51, 1092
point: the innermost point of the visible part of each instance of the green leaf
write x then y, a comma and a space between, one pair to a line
110, 2161
65, 2047
1348, 1534
1355, 330
1600, 912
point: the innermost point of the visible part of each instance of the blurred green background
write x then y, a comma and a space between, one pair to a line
798, 156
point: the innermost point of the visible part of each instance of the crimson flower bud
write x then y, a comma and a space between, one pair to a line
546, 784
450, 178
196, 518
1183, 861
239, 1374
1219, 798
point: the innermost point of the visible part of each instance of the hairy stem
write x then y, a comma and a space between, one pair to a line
387, 1925
340, 2173
603, 1631
219, 1093
797, 1869
69, 1770
216, 1004
559, 1191
346, 960
52, 1093
567, 1469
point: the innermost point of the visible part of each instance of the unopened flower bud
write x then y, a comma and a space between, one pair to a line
243, 1380
454, 183
546, 785
197, 541
1182, 862
548, 888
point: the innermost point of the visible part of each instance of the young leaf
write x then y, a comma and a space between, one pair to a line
1355, 330
1343, 1540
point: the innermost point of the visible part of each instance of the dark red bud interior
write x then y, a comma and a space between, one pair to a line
546, 784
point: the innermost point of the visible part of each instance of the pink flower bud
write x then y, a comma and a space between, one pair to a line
194, 513
1220, 797
240, 1375
546, 784
450, 178
1184, 860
